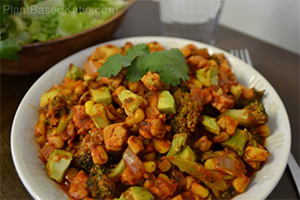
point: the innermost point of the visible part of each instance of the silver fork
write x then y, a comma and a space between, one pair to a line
244, 55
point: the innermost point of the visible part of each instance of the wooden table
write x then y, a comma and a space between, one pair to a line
279, 66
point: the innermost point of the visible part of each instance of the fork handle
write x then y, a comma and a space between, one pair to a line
295, 170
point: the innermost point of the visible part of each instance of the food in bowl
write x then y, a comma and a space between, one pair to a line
143, 122
31, 21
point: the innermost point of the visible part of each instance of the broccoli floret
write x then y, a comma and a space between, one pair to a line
64, 103
228, 194
82, 156
99, 184
251, 115
187, 116
242, 101
238, 141
244, 95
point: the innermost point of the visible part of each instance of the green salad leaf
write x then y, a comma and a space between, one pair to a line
28, 21
9, 49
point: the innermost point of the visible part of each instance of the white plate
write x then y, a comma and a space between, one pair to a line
25, 150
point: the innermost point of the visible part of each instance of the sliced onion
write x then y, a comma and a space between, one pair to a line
134, 163
90, 67
229, 166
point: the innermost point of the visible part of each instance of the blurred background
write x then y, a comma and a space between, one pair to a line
274, 21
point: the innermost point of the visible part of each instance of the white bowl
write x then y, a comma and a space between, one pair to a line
40, 186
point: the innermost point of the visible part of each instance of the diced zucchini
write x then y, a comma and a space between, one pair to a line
208, 76
130, 101
101, 95
210, 124
74, 73
136, 193
98, 116
58, 163
166, 103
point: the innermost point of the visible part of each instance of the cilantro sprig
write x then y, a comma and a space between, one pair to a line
169, 64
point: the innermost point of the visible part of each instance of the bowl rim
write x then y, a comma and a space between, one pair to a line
136, 40
64, 38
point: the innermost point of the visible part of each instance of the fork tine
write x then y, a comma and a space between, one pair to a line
242, 56
231, 51
248, 58
236, 53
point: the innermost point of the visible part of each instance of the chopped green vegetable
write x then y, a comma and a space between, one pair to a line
117, 170
99, 184
213, 180
208, 76
75, 73
238, 141
130, 101
48, 96
136, 193
58, 163
63, 121
98, 116
210, 124
166, 103
101, 95
187, 153
178, 144
253, 114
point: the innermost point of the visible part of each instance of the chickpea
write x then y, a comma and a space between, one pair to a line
99, 154
137, 117
56, 141
134, 86
222, 137
241, 183
135, 144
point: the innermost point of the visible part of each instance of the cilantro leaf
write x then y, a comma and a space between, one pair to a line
135, 72
9, 48
113, 65
137, 50
170, 64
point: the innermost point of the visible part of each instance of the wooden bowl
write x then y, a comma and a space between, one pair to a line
40, 56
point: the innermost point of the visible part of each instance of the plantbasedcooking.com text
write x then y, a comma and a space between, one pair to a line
36, 10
